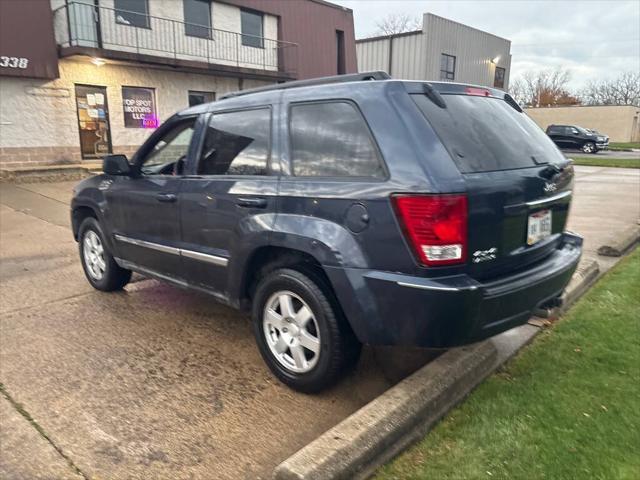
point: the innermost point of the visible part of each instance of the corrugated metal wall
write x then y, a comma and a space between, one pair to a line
409, 56
472, 48
416, 56
373, 55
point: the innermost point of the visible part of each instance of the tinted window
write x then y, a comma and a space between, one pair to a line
251, 28
169, 154
484, 134
132, 12
237, 143
332, 140
197, 18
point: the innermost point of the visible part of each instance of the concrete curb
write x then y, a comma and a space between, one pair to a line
397, 418
48, 173
582, 279
617, 245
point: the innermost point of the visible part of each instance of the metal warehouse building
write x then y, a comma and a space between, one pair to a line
443, 50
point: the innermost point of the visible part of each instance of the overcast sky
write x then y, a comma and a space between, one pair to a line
592, 39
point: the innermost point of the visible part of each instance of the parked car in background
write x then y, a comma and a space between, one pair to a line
342, 211
578, 138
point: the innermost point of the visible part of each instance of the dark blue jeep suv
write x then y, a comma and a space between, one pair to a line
342, 211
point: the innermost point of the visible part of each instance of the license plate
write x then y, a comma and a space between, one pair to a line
539, 226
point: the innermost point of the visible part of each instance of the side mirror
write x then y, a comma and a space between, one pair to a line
116, 165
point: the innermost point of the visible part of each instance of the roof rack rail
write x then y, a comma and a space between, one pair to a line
352, 77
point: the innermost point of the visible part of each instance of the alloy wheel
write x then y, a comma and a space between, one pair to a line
291, 332
93, 253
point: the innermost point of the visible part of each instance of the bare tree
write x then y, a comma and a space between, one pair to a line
518, 90
543, 89
624, 90
398, 23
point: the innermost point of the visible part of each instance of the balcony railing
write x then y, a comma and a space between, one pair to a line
80, 24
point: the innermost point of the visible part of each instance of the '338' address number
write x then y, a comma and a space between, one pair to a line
14, 62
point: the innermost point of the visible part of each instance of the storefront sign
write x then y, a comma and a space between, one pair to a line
139, 107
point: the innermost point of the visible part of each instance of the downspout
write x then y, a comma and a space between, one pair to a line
390, 55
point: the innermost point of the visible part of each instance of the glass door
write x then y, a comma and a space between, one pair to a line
93, 121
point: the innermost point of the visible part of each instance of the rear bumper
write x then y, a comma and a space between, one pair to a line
387, 308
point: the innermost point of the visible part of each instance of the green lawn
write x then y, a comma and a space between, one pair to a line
596, 161
624, 146
567, 407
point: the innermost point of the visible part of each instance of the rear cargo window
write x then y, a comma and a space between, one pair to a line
485, 134
331, 139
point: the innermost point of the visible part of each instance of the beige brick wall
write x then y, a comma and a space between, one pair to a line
38, 119
620, 123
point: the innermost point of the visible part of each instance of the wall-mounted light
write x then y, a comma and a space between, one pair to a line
98, 61
495, 60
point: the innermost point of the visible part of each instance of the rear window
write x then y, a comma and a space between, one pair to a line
331, 139
485, 134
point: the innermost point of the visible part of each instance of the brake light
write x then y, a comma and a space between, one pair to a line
481, 92
435, 227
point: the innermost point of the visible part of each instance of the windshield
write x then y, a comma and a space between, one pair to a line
486, 134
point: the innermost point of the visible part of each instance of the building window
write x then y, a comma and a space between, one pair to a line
498, 79
237, 143
132, 12
331, 139
197, 18
447, 67
251, 28
341, 68
197, 98
139, 107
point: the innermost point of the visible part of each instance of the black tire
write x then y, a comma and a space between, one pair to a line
113, 277
339, 348
589, 147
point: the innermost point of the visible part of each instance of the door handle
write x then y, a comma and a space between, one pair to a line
166, 197
252, 202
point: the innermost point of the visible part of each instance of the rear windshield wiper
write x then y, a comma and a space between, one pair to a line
433, 95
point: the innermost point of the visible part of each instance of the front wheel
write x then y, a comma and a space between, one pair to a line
589, 147
100, 268
300, 331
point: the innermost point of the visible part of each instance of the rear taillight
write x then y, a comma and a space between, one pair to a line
435, 227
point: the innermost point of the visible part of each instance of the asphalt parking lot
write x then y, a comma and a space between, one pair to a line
157, 382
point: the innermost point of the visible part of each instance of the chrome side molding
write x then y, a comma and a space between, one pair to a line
203, 257
153, 246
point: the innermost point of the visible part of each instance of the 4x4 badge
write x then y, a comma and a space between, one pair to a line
484, 255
